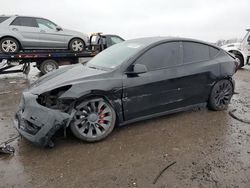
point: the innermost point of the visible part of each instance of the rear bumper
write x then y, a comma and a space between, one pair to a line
37, 123
248, 58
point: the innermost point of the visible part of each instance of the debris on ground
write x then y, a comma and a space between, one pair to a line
7, 149
231, 113
161, 172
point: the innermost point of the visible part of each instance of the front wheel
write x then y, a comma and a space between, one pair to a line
94, 120
221, 95
76, 45
9, 45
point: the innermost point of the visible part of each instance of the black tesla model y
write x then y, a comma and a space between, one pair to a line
131, 81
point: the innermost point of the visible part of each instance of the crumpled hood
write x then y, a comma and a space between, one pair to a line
65, 76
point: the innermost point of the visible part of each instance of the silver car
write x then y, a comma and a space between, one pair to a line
22, 32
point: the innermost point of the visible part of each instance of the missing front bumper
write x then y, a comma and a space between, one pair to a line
38, 123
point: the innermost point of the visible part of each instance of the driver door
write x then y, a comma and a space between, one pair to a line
156, 90
50, 37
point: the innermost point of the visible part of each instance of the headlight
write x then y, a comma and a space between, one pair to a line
51, 99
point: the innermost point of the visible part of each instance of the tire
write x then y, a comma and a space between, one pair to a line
38, 65
221, 95
9, 45
76, 45
94, 120
240, 60
48, 66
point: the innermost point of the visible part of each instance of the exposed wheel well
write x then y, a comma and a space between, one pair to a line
235, 52
7, 36
76, 38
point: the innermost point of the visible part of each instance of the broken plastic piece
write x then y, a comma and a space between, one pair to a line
7, 149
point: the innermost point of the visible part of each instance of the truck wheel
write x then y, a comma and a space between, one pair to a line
77, 45
240, 60
48, 66
9, 45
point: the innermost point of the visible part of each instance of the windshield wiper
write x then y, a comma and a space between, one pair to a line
98, 68
92, 67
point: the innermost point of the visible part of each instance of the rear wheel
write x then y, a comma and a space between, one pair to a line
9, 45
48, 66
221, 95
94, 120
77, 45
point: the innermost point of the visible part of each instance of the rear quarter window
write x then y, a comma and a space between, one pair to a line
195, 52
3, 18
25, 21
213, 52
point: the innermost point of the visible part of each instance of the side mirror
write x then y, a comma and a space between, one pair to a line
58, 28
138, 69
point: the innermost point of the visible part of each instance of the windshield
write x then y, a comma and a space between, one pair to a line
115, 55
3, 18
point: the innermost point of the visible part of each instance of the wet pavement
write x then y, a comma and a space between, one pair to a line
211, 149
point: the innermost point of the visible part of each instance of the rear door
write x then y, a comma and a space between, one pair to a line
49, 36
27, 30
199, 70
158, 89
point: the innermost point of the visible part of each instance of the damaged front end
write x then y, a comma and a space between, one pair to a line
39, 117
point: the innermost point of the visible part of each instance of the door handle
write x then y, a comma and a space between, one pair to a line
42, 31
14, 29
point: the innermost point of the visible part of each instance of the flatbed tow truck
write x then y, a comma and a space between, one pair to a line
49, 60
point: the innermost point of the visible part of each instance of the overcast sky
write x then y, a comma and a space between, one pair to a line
208, 20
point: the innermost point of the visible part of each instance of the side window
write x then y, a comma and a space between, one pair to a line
25, 21
3, 18
45, 24
195, 52
162, 56
17, 22
213, 51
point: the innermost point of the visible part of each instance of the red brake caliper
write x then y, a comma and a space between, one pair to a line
101, 117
